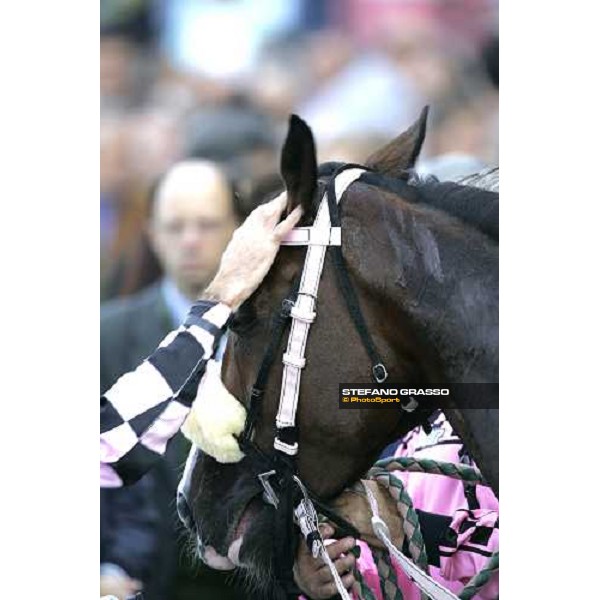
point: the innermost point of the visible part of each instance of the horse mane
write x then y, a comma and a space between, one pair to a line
486, 179
466, 199
473, 199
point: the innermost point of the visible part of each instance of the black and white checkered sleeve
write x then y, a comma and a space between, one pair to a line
146, 407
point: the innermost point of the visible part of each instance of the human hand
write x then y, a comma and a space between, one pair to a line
313, 576
251, 252
120, 585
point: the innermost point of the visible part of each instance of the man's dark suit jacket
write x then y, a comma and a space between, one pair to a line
129, 527
130, 329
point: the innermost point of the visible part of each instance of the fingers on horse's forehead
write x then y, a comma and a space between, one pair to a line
280, 198
274, 205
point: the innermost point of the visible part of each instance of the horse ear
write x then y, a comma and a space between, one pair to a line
402, 152
299, 166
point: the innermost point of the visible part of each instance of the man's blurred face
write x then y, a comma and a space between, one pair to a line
192, 223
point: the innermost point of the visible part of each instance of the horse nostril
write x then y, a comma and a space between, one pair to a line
185, 512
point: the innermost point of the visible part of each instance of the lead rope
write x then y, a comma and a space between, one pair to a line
479, 580
387, 575
336, 576
428, 586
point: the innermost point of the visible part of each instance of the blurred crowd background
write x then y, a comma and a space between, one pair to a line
195, 100
219, 78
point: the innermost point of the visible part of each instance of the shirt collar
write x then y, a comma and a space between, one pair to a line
177, 304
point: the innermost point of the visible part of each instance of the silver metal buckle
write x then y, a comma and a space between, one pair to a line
269, 494
380, 367
308, 520
308, 523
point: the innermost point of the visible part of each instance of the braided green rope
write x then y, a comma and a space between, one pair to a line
410, 519
479, 580
365, 592
435, 467
381, 473
387, 576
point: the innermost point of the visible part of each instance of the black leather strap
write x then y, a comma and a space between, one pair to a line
378, 370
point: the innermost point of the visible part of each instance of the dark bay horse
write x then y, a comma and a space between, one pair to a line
423, 259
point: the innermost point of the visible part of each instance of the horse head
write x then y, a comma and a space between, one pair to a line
426, 283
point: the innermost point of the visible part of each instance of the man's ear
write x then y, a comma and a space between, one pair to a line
299, 167
402, 152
